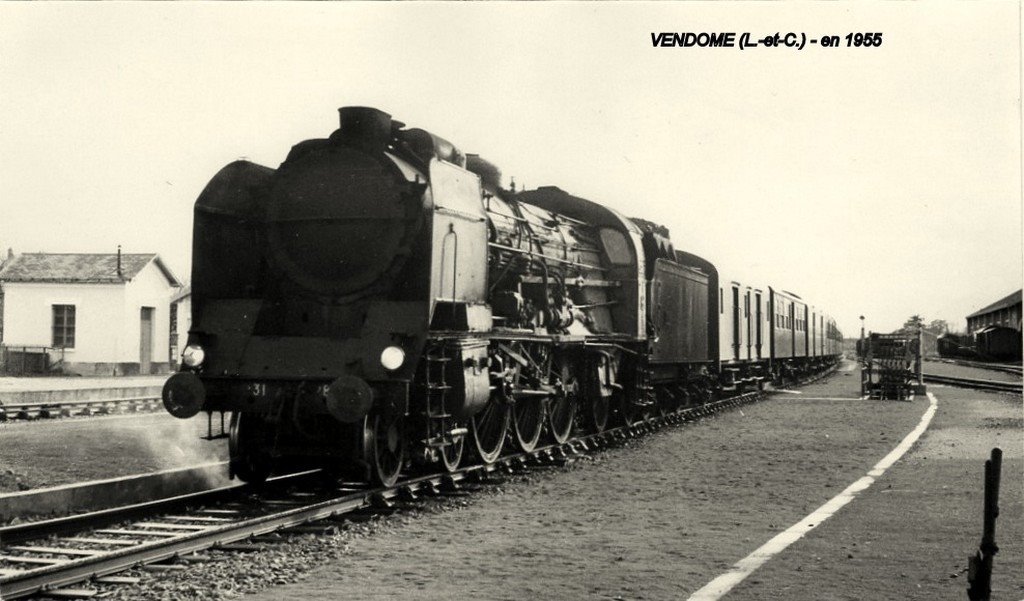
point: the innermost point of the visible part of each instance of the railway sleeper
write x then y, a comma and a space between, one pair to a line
71, 593
241, 547
163, 567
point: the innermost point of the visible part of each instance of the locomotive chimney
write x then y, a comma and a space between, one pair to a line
490, 175
364, 127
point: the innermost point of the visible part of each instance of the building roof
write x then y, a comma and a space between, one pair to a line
80, 268
1012, 299
185, 292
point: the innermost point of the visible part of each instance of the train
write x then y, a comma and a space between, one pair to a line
955, 346
379, 304
991, 343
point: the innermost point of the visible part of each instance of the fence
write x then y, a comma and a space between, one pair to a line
30, 360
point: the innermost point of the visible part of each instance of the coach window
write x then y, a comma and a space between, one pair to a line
63, 326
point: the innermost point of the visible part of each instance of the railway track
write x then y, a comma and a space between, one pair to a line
47, 556
29, 411
1001, 367
994, 385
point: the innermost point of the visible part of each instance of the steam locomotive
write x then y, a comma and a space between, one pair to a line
379, 303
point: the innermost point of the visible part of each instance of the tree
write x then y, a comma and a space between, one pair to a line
912, 324
931, 331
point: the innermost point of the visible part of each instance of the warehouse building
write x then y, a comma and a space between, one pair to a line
87, 314
1004, 312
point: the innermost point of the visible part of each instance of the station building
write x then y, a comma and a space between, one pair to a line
181, 321
87, 314
1004, 312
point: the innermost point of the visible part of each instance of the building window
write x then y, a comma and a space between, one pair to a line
64, 326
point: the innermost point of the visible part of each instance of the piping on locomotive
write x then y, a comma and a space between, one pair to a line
379, 302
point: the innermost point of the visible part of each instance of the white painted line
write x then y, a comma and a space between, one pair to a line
788, 391
718, 587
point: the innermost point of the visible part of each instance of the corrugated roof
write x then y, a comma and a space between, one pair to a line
1012, 299
80, 268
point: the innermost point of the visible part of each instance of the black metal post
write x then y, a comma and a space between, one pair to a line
918, 359
980, 566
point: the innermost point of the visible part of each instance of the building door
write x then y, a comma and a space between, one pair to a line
146, 340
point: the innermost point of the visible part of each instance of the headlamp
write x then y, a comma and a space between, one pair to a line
392, 357
193, 355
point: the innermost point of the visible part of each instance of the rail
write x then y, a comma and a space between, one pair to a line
90, 549
119, 491
1001, 367
975, 383
33, 410
86, 547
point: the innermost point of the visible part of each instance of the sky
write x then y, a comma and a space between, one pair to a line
881, 181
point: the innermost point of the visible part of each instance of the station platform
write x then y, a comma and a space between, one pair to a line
58, 390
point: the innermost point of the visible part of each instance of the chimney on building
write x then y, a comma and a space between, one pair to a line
119, 261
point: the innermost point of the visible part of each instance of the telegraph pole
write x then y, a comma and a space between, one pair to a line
860, 344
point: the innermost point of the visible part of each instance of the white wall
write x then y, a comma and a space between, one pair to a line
184, 309
107, 316
99, 308
147, 289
